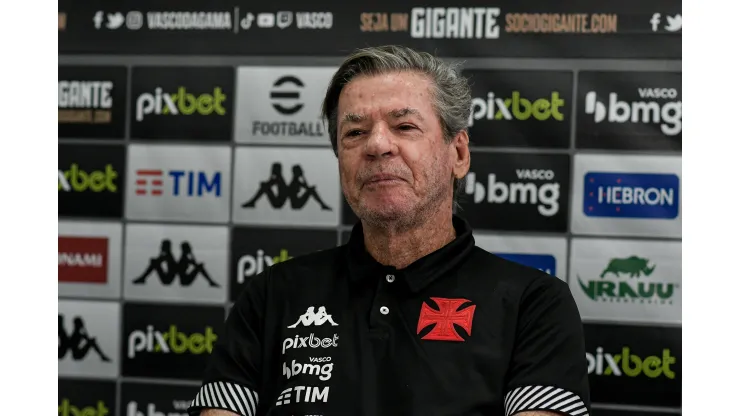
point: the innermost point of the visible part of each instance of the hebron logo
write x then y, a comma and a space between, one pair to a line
303, 394
665, 113
630, 365
151, 182
249, 266
631, 195
542, 262
545, 195
516, 107
323, 371
180, 103
132, 409
83, 259
172, 341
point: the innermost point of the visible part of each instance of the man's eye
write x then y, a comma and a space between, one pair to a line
353, 133
405, 127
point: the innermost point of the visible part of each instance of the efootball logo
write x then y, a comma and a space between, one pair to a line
631, 195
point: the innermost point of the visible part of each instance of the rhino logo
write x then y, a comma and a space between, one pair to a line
633, 265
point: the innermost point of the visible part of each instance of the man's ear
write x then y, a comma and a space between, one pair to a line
461, 149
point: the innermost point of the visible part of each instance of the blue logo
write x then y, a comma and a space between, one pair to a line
542, 262
630, 195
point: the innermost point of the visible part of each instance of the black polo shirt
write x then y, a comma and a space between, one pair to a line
460, 332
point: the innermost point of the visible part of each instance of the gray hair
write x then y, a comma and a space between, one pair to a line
450, 91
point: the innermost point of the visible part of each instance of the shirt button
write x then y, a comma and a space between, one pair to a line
384, 310
390, 278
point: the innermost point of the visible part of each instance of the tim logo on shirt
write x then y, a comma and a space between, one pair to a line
631, 195
444, 319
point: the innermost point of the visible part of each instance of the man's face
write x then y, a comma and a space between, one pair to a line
394, 164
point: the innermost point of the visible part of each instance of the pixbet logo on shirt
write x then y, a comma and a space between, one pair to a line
623, 363
171, 341
535, 187
155, 182
83, 259
656, 106
631, 195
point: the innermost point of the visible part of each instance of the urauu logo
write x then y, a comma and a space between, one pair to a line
656, 106
75, 179
630, 365
66, 408
181, 102
609, 288
545, 194
249, 265
172, 341
516, 107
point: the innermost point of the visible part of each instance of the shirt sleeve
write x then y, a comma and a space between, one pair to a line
548, 370
232, 377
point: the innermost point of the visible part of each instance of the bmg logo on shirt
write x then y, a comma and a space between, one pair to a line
182, 103
522, 192
168, 341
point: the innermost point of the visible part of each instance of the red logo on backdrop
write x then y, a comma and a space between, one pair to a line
444, 318
83, 259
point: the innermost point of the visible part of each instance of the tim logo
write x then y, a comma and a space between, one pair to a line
155, 182
542, 262
544, 195
79, 343
278, 192
311, 318
83, 259
168, 269
631, 195
286, 94
444, 318
303, 394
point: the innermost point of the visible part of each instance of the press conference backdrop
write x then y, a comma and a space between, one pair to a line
175, 117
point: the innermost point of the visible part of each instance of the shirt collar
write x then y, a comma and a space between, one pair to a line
420, 273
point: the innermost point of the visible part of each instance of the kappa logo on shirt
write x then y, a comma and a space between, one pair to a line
444, 318
314, 318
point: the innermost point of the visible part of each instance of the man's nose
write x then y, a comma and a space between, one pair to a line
380, 142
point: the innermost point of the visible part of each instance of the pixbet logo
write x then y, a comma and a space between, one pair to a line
666, 113
75, 179
630, 365
172, 341
182, 182
249, 266
294, 369
180, 103
311, 341
545, 195
66, 408
516, 107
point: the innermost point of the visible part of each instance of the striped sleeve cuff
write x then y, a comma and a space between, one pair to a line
226, 396
549, 398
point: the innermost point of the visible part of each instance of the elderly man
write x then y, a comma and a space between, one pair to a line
415, 320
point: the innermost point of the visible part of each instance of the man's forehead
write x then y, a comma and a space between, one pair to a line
400, 112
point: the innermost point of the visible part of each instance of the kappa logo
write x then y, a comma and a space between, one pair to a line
444, 318
314, 318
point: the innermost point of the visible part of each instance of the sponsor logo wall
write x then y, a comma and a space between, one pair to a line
182, 176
